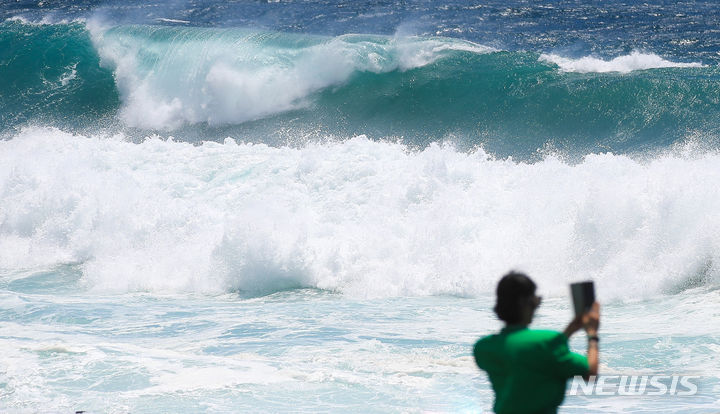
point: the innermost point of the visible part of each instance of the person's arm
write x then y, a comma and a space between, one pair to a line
591, 322
573, 327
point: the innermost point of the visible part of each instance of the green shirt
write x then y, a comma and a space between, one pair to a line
528, 368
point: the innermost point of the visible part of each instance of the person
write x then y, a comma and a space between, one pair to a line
529, 368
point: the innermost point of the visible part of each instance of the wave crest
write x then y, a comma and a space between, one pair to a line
624, 64
421, 89
359, 217
170, 77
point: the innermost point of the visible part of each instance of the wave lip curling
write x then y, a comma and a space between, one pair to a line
171, 77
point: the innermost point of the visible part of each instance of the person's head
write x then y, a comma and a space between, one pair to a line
516, 300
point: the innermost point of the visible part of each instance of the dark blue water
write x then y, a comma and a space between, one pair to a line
677, 29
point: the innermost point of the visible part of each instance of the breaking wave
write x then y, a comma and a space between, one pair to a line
356, 216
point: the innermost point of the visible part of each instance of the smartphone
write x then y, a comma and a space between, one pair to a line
583, 296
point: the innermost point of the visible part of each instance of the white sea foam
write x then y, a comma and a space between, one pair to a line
360, 217
231, 76
69, 76
628, 63
18, 19
45, 20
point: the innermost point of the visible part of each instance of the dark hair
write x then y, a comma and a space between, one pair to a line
512, 289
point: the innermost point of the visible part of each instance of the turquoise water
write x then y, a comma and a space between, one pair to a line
307, 350
211, 83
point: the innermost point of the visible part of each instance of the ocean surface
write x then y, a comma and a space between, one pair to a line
304, 206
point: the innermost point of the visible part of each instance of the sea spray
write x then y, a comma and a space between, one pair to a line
243, 75
359, 217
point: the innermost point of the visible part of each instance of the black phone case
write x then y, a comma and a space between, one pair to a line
583, 296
